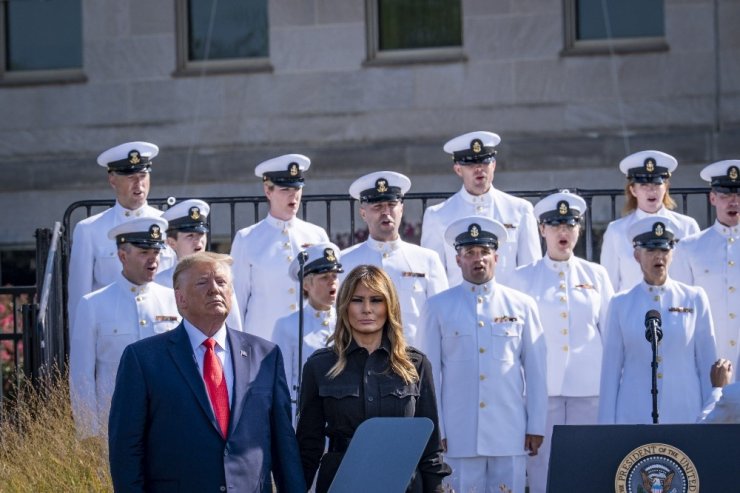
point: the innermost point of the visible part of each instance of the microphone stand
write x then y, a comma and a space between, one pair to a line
654, 367
302, 263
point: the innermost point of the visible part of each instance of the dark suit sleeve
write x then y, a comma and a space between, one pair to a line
431, 466
286, 461
127, 425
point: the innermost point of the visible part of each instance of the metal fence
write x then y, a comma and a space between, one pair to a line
31, 341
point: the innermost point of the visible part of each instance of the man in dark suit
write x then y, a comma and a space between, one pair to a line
203, 407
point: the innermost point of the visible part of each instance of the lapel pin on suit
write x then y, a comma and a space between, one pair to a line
243, 353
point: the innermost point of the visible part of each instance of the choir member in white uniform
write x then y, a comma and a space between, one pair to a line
109, 319
263, 252
686, 350
93, 260
485, 343
711, 259
320, 286
647, 195
474, 157
187, 234
416, 271
572, 295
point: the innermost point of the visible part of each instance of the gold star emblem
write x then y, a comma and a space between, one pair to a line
650, 165
381, 185
563, 207
134, 157
194, 213
293, 169
659, 229
474, 230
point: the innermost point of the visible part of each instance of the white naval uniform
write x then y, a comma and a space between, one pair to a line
318, 325
233, 319
93, 260
572, 297
416, 272
617, 251
107, 321
711, 259
262, 254
685, 355
485, 342
522, 248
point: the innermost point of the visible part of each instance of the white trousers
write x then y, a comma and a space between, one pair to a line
560, 411
505, 474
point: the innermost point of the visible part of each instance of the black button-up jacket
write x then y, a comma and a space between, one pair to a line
365, 389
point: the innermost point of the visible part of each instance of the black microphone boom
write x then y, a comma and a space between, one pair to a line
653, 326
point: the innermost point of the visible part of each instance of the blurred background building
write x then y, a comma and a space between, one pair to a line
572, 86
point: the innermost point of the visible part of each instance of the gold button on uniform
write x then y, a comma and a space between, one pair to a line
563, 299
481, 323
480, 299
732, 289
133, 290
731, 240
732, 342
564, 332
565, 348
291, 290
138, 298
561, 274
656, 298
325, 323
482, 377
562, 285
142, 322
732, 316
292, 307
482, 405
290, 258
564, 314
482, 350
660, 375
731, 263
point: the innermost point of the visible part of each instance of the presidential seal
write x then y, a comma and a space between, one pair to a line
656, 468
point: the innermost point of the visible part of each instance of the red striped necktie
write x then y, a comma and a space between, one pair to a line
213, 374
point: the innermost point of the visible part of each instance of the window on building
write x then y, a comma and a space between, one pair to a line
40, 41
222, 35
601, 26
414, 30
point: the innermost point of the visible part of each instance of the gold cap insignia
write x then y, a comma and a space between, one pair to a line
732, 173
329, 255
474, 230
194, 213
134, 157
650, 165
381, 185
154, 232
476, 146
293, 169
659, 229
563, 207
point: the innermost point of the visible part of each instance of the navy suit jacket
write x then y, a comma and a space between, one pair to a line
163, 435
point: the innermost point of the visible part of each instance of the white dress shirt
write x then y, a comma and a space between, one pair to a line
617, 251
222, 350
485, 344
514, 213
416, 272
262, 254
107, 321
711, 259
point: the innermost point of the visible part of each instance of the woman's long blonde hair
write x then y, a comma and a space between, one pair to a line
630, 204
377, 280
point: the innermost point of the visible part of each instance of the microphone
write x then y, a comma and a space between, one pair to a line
653, 326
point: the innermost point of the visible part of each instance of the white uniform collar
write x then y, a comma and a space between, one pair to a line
197, 337
278, 223
384, 246
726, 231
325, 316
558, 265
122, 212
130, 287
649, 288
484, 289
640, 214
486, 198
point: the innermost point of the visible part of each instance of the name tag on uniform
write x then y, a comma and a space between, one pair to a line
306, 245
165, 318
585, 286
504, 319
681, 309
413, 274
509, 226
